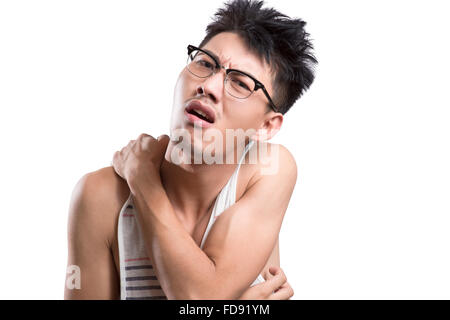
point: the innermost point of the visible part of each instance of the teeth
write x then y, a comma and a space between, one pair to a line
201, 113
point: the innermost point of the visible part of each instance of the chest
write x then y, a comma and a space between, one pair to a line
196, 229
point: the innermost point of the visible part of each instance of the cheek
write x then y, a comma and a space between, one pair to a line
241, 115
179, 94
183, 91
184, 88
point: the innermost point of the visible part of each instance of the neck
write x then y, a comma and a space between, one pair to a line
192, 188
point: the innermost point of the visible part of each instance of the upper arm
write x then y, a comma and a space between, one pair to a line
273, 261
244, 235
90, 228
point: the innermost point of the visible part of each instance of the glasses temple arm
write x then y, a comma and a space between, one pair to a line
268, 98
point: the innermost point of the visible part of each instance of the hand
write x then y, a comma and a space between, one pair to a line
141, 158
275, 287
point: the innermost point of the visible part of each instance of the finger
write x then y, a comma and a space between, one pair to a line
269, 274
143, 136
115, 164
164, 140
278, 279
274, 270
162, 143
285, 285
268, 287
115, 158
141, 142
163, 136
112, 160
283, 293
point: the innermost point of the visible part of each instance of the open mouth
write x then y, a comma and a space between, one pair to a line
199, 114
196, 111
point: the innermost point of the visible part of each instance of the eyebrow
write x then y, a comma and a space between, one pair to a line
218, 61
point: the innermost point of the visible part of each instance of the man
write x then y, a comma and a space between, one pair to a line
252, 66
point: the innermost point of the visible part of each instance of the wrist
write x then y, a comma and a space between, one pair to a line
153, 206
148, 191
144, 181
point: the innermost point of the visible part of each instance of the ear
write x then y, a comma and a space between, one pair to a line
269, 128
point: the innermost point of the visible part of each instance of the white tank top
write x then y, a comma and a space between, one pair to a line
137, 276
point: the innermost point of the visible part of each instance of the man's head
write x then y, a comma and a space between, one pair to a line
280, 41
269, 46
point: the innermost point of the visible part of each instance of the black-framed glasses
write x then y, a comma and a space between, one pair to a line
237, 83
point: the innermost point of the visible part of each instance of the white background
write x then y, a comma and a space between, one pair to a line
369, 217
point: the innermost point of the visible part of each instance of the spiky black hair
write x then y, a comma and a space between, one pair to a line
278, 39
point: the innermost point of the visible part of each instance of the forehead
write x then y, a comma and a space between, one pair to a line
233, 53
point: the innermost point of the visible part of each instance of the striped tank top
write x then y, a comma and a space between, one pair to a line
138, 279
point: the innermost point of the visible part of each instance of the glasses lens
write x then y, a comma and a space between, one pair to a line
200, 64
239, 85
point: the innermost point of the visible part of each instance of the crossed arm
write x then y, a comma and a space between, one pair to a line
91, 231
239, 243
213, 273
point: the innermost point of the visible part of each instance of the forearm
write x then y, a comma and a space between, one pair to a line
183, 269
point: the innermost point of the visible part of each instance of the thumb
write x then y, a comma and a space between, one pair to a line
274, 270
271, 272
278, 278
163, 142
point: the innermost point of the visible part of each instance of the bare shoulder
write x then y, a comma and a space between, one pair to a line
275, 163
280, 153
104, 185
94, 207
96, 201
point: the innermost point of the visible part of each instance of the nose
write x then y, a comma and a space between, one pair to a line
212, 87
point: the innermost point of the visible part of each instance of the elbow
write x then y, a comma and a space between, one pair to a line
212, 285
212, 292
194, 294
209, 292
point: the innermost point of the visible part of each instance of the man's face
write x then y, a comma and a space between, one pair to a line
229, 112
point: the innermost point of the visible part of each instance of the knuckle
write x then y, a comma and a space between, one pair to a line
143, 136
282, 275
290, 291
280, 278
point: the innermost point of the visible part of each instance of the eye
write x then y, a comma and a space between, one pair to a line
205, 63
241, 84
